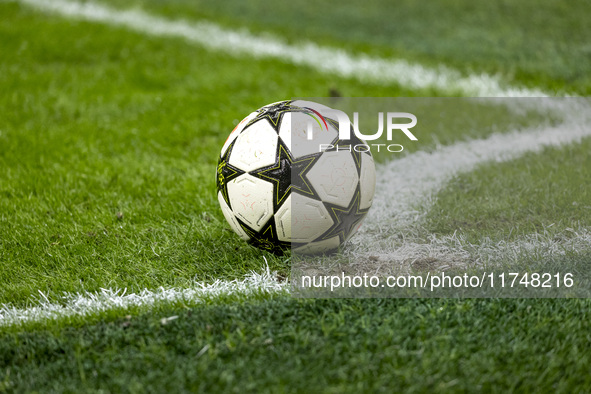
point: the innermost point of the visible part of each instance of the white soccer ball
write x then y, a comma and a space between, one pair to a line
278, 189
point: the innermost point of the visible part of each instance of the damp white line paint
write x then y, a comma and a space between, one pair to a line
89, 304
329, 60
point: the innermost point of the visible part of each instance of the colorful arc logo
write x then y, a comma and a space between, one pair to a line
315, 118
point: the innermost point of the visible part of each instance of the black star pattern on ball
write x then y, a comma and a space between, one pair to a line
344, 219
349, 145
267, 238
274, 114
288, 174
225, 173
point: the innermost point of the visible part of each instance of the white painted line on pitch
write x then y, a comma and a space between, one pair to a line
409, 184
407, 189
328, 60
454, 251
92, 303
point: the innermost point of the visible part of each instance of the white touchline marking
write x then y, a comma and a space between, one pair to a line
87, 304
333, 61
92, 303
407, 186
412, 181
455, 251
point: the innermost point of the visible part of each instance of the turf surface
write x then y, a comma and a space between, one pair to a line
540, 44
286, 345
109, 150
535, 193
111, 142
108, 144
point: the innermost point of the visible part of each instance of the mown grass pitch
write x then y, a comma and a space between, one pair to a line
288, 345
108, 144
538, 44
109, 154
538, 192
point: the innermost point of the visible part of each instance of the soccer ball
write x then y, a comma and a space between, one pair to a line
279, 189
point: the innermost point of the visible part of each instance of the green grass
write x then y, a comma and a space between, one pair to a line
541, 192
288, 345
540, 44
108, 145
